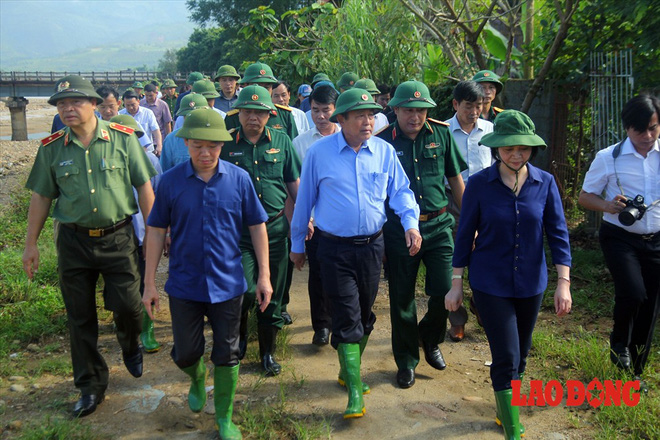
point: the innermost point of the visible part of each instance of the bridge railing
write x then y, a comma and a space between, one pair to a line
117, 76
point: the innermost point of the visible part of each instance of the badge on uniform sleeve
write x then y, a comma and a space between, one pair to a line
272, 151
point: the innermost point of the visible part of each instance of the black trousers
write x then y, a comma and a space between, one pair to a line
509, 323
319, 304
350, 275
188, 330
634, 263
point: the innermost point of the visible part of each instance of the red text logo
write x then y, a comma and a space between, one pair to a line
595, 393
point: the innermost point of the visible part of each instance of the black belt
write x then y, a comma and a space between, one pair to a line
275, 217
99, 232
431, 215
619, 229
358, 240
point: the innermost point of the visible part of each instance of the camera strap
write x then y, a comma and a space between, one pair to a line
615, 153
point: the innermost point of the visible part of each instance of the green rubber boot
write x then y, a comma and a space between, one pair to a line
349, 359
508, 414
225, 380
340, 377
147, 336
197, 392
497, 416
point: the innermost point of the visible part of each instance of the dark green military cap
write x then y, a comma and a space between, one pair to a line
367, 84
320, 77
137, 85
258, 73
204, 124
227, 70
74, 86
205, 87
488, 76
412, 94
254, 97
190, 102
194, 77
128, 121
347, 81
169, 84
511, 128
354, 99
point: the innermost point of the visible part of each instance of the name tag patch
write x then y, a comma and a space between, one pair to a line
235, 153
66, 162
399, 153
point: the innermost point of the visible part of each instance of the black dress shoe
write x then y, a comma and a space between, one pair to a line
405, 378
321, 337
643, 386
433, 356
287, 318
271, 367
134, 363
620, 356
87, 404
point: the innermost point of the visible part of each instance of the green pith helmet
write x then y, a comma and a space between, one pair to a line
354, 99
347, 81
206, 88
138, 85
488, 76
194, 77
204, 124
319, 77
254, 97
367, 84
128, 121
190, 102
169, 84
258, 73
511, 128
74, 86
227, 70
412, 94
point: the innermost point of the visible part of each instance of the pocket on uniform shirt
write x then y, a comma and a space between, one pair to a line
273, 164
430, 159
67, 179
114, 171
379, 193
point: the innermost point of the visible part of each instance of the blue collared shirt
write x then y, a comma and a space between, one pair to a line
348, 189
206, 220
174, 151
508, 259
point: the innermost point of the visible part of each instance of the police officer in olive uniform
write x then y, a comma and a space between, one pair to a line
428, 154
91, 167
268, 156
169, 94
281, 118
492, 86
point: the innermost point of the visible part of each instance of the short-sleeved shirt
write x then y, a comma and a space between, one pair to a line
146, 119
174, 151
271, 162
303, 141
206, 220
478, 157
280, 119
94, 185
161, 111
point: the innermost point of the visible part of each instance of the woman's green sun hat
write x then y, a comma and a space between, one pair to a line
412, 94
512, 128
254, 97
128, 121
190, 102
204, 124
354, 99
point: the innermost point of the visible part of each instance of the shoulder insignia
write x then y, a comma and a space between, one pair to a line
105, 135
268, 135
232, 112
273, 151
231, 130
435, 121
497, 110
122, 128
53, 137
283, 107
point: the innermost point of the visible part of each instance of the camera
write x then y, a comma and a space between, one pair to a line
634, 210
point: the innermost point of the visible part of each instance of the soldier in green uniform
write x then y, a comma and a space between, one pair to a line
91, 167
169, 94
492, 86
281, 118
138, 87
428, 154
347, 81
268, 156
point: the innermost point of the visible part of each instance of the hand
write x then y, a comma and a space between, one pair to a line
31, 260
298, 259
310, 231
454, 298
563, 301
413, 241
167, 244
151, 300
264, 293
615, 205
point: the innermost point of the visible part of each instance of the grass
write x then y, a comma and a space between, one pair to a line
58, 428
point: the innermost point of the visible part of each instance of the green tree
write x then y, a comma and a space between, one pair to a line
168, 63
210, 48
234, 13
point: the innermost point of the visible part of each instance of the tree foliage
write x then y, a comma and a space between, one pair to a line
234, 13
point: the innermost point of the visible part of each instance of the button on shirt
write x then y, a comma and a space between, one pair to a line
206, 220
348, 190
508, 259
637, 175
476, 156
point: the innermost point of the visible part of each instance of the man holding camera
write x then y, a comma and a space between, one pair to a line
629, 173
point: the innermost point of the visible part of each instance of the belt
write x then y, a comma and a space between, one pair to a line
357, 240
99, 232
619, 229
649, 237
431, 215
275, 217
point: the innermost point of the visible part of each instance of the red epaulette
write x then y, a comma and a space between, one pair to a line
283, 107
122, 128
53, 137
435, 121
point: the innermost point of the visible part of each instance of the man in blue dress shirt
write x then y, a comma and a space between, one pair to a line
346, 178
206, 202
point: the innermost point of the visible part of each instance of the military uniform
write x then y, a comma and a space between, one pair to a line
280, 119
490, 77
494, 111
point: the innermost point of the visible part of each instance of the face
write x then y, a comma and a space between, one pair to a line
383, 99
109, 108
228, 85
138, 90
411, 120
644, 140
253, 121
468, 112
489, 90
204, 154
169, 91
515, 156
76, 112
281, 95
151, 97
132, 105
321, 116
267, 86
357, 125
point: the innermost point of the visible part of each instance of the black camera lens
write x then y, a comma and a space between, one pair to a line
628, 216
